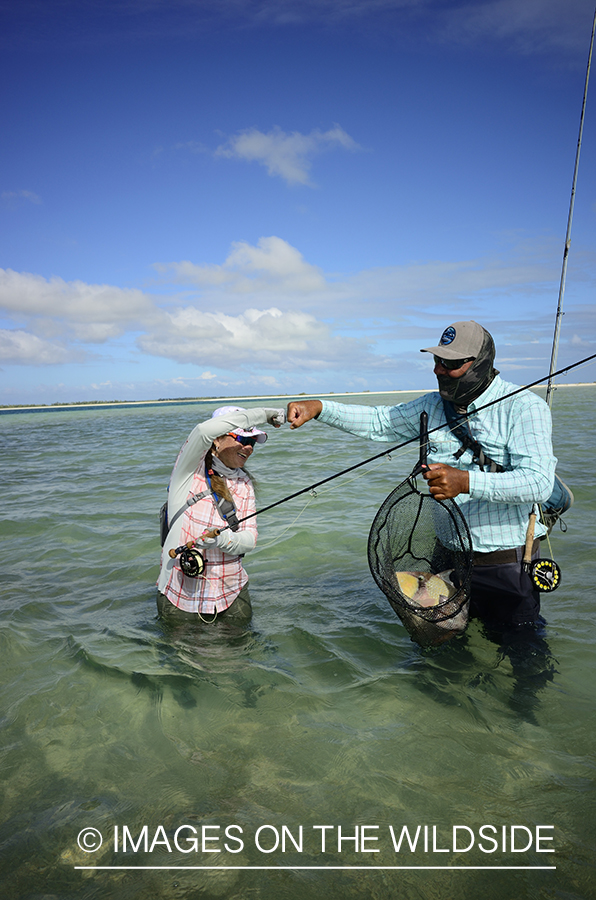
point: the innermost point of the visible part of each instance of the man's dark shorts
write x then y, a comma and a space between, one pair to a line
504, 594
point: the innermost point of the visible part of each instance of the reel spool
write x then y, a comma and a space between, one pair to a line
545, 575
192, 562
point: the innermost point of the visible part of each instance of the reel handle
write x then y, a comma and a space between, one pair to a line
174, 553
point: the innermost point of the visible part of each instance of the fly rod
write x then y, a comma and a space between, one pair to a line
423, 447
559, 316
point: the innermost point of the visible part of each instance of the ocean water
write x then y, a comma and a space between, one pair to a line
283, 760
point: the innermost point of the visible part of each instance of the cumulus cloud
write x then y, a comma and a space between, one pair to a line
578, 341
392, 310
266, 309
266, 338
93, 313
22, 348
287, 155
273, 264
275, 269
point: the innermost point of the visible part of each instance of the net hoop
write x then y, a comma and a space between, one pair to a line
415, 534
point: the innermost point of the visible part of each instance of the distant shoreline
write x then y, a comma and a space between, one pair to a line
103, 404
184, 401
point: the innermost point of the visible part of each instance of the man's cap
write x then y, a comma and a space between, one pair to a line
259, 436
459, 341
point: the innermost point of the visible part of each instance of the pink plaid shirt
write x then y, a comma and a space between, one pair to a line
224, 576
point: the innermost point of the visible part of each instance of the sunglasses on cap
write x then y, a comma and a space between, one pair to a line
453, 363
246, 441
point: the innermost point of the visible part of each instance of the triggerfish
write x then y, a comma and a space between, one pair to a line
424, 588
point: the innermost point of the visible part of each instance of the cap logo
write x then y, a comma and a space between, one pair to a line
448, 336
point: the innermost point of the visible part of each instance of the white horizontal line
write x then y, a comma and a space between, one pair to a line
292, 868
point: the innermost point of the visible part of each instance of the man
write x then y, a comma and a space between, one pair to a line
515, 442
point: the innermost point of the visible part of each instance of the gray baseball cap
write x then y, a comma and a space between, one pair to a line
459, 341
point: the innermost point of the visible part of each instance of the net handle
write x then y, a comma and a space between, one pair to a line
422, 464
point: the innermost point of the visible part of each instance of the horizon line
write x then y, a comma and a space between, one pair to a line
100, 404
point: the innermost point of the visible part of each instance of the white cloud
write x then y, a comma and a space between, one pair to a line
21, 348
538, 26
13, 196
262, 311
528, 27
272, 265
93, 313
577, 341
192, 147
524, 26
286, 155
278, 271
392, 310
266, 338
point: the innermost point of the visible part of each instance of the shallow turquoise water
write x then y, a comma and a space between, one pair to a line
324, 713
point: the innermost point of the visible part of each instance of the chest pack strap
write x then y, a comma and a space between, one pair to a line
561, 498
226, 508
165, 525
461, 429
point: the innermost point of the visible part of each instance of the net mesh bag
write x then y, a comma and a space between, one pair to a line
420, 555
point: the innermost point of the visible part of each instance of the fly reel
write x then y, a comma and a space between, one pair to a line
545, 575
192, 562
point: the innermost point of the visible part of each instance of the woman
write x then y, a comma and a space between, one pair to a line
209, 492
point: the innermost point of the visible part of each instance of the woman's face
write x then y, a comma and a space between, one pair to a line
232, 453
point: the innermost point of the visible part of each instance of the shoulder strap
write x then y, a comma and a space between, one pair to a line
561, 498
460, 428
165, 525
226, 507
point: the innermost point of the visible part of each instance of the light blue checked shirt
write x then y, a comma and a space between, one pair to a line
516, 433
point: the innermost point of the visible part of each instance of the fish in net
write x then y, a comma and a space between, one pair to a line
420, 555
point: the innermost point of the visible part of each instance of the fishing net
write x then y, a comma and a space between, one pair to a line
420, 555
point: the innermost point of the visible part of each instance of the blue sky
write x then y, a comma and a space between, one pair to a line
235, 197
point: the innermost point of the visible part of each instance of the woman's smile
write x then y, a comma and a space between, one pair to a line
233, 454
